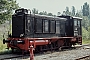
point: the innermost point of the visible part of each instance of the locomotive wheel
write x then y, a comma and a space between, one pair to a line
23, 52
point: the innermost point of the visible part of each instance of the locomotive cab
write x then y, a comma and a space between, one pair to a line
72, 26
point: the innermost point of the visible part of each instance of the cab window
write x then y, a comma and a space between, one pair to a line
79, 23
75, 22
58, 27
38, 25
52, 26
45, 26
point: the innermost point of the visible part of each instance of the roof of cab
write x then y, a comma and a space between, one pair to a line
77, 18
47, 17
66, 16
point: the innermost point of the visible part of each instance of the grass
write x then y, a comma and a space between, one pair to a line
2, 46
85, 41
3, 49
3, 30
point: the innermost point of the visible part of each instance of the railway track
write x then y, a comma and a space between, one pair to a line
15, 56
84, 58
9, 56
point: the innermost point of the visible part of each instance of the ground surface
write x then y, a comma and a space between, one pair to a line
67, 54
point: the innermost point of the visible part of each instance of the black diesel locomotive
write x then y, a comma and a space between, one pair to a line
43, 32
36, 26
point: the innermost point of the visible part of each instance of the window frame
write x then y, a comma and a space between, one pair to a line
75, 22
36, 26
51, 26
79, 23
58, 26
45, 26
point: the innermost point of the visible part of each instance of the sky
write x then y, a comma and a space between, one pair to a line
51, 6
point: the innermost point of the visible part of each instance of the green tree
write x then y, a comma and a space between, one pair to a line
44, 13
40, 13
6, 9
67, 11
58, 13
50, 14
73, 11
85, 9
63, 13
34, 11
85, 34
89, 32
78, 13
85, 22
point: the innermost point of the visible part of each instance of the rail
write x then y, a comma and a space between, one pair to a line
84, 57
9, 56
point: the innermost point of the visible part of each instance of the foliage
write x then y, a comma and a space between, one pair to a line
85, 41
67, 11
43, 13
85, 9
58, 13
85, 22
6, 9
2, 46
73, 11
50, 14
85, 33
34, 11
